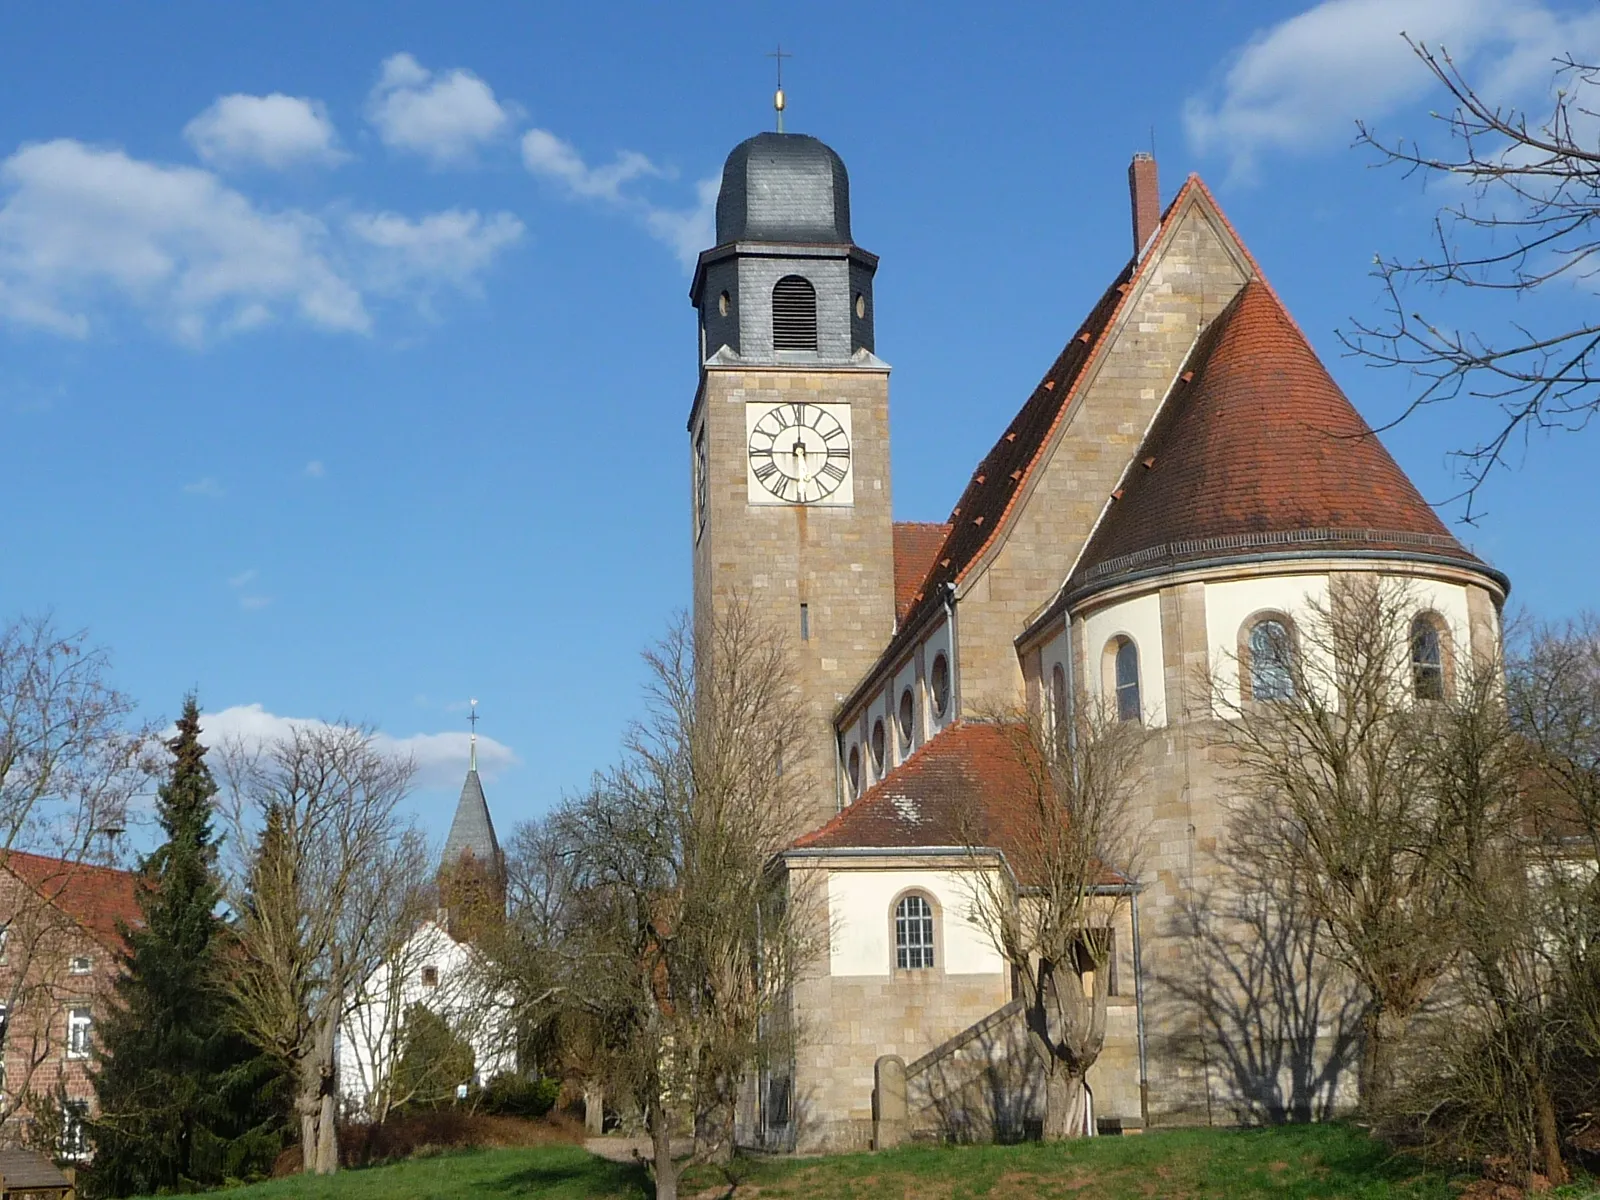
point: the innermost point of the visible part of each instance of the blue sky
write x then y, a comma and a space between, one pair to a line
345, 350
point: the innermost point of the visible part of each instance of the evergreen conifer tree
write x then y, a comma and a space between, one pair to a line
185, 1102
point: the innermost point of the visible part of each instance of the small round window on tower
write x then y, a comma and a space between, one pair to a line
861, 306
722, 304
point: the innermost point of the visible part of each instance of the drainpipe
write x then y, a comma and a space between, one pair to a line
955, 653
1138, 1006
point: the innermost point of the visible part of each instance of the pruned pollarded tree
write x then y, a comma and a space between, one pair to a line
1324, 735
1522, 221
328, 883
690, 939
1066, 867
70, 762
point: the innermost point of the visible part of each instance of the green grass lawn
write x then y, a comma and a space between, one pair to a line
1290, 1163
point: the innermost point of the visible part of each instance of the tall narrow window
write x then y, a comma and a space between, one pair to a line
80, 1023
74, 1124
1058, 698
1126, 666
939, 684
794, 314
913, 933
854, 769
805, 622
1427, 659
908, 722
879, 747
1271, 660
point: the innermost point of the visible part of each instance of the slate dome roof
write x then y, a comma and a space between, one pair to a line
784, 187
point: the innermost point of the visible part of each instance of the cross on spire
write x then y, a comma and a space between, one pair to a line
777, 99
472, 744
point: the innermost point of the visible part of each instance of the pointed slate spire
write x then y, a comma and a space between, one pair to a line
472, 830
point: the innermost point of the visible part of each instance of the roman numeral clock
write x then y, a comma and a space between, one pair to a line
799, 453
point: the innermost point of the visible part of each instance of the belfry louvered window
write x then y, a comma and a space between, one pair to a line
794, 314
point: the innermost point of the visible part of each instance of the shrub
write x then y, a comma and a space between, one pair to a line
517, 1096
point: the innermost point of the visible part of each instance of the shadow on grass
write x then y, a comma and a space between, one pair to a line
577, 1178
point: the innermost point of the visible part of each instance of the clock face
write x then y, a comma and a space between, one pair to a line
800, 453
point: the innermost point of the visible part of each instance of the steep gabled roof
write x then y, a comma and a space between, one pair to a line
974, 784
916, 547
472, 830
1256, 449
98, 898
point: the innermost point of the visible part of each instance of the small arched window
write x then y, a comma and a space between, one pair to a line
1058, 698
854, 769
1271, 649
908, 721
1125, 668
939, 682
1427, 658
794, 314
878, 747
913, 933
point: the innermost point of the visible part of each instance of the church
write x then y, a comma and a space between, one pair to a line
1184, 484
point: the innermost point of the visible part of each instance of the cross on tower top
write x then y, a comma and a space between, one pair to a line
472, 744
777, 99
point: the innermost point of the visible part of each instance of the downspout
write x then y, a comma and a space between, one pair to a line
1138, 1006
955, 651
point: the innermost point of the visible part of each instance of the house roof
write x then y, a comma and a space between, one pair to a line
916, 545
100, 899
1257, 449
973, 784
26, 1171
472, 830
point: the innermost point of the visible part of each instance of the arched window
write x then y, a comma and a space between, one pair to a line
1427, 657
1271, 648
854, 769
794, 314
1125, 678
913, 933
908, 721
1058, 698
939, 682
878, 747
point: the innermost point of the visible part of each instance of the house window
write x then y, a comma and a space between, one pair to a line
80, 1025
74, 1130
1271, 653
939, 682
1427, 658
1058, 698
794, 314
430, 977
1125, 667
908, 721
79, 965
5, 938
878, 747
854, 768
913, 933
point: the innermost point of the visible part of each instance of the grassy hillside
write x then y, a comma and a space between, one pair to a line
1300, 1162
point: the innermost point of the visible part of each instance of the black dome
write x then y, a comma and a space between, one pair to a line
783, 187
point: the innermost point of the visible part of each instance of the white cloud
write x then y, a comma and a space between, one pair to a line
274, 131
441, 758
685, 231
82, 228
205, 487
452, 247
444, 116
79, 223
1300, 85
314, 469
242, 578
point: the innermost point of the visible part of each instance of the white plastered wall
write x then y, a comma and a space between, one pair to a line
1139, 620
860, 906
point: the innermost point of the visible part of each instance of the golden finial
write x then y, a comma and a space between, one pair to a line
778, 101
472, 743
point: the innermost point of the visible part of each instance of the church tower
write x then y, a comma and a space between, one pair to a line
472, 870
789, 432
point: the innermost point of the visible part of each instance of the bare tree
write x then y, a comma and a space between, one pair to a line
1324, 736
689, 939
1065, 874
326, 889
1524, 219
70, 763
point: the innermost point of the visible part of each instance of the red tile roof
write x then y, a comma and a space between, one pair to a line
916, 547
97, 898
972, 784
1256, 448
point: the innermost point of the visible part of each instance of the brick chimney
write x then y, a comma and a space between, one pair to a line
1145, 193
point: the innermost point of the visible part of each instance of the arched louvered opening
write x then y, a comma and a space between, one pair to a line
794, 314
